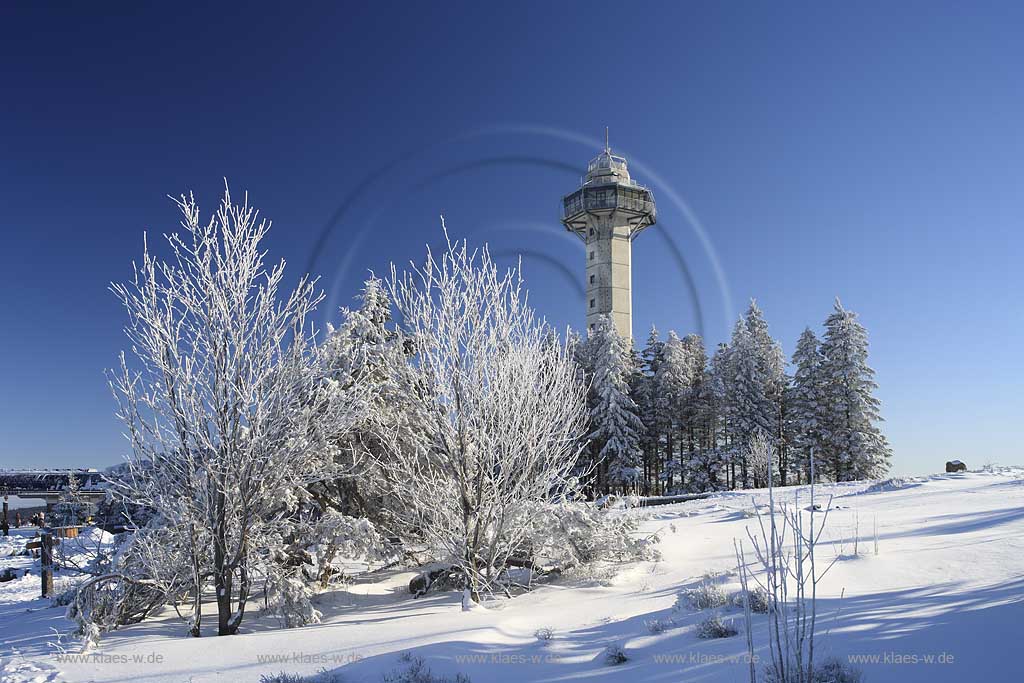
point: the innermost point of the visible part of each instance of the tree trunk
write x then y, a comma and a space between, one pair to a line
197, 578
222, 573
668, 460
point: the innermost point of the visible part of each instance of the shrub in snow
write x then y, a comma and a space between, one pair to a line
832, 670
657, 626
282, 677
544, 634
714, 575
707, 595
290, 598
715, 627
616, 502
149, 565
297, 555
105, 602
614, 654
341, 538
756, 597
414, 669
301, 557
65, 597
597, 573
567, 533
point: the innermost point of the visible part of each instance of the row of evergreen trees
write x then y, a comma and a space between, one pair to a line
671, 419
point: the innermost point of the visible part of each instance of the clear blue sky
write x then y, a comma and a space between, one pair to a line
873, 151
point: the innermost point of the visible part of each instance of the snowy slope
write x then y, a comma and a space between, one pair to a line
947, 584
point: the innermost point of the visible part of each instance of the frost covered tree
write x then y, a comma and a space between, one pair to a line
680, 402
773, 368
804, 402
759, 460
506, 409
673, 381
746, 395
693, 408
367, 345
720, 378
854, 446
583, 358
644, 393
227, 410
616, 428
755, 383
71, 509
651, 354
705, 459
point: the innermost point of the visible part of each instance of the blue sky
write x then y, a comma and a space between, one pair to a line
871, 151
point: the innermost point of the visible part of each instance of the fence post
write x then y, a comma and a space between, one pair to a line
46, 562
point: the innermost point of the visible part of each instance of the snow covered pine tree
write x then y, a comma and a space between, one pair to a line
855, 447
616, 427
805, 403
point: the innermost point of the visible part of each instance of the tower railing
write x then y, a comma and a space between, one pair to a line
603, 198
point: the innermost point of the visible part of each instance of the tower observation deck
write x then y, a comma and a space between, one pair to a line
607, 212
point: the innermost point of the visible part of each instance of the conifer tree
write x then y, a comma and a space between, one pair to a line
697, 361
616, 427
804, 403
854, 446
645, 394
756, 382
772, 366
672, 383
720, 370
366, 346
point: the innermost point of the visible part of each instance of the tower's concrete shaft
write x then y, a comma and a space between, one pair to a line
609, 276
607, 212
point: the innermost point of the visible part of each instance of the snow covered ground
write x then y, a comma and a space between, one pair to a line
943, 600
